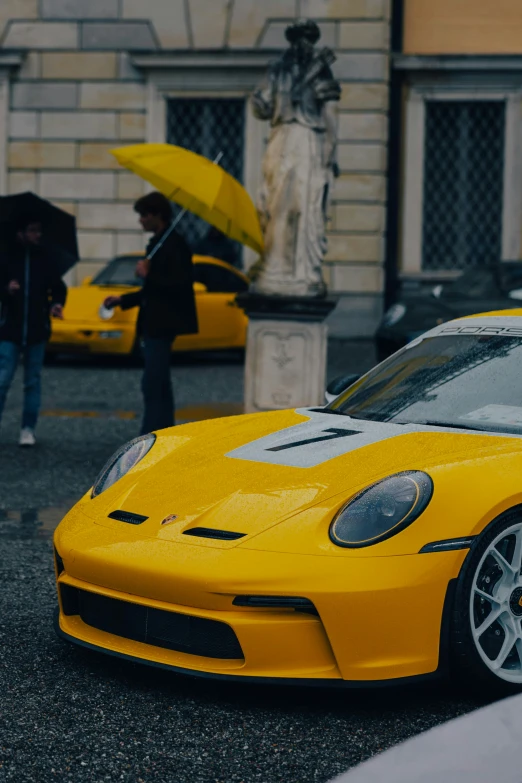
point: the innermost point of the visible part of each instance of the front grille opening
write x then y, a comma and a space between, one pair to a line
128, 517
60, 568
170, 630
70, 600
208, 532
276, 602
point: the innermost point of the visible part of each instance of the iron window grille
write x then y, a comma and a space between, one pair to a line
463, 184
209, 126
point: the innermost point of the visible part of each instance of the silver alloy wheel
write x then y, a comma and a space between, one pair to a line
496, 606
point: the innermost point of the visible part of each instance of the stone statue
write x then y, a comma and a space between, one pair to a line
299, 164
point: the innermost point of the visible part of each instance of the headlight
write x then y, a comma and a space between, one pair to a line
106, 313
394, 314
120, 463
382, 510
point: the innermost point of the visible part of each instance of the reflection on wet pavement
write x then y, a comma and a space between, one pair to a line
215, 410
31, 523
184, 415
63, 413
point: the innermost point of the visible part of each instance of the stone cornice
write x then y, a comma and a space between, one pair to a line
256, 59
462, 62
11, 59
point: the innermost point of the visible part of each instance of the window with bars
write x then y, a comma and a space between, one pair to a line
209, 127
463, 184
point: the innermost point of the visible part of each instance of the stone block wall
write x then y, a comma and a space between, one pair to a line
68, 110
77, 95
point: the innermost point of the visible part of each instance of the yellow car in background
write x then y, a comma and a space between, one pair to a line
89, 328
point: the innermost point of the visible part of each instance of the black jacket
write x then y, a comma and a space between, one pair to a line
166, 301
24, 315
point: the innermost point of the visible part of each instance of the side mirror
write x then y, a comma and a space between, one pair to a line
200, 288
338, 385
87, 280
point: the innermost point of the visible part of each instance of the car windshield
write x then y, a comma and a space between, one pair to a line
121, 271
466, 381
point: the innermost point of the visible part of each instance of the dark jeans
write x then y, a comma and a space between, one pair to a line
33, 363
157, 385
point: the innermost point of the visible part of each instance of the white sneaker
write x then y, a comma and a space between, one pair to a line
27, 437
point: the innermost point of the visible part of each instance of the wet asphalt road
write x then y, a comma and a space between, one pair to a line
66, 714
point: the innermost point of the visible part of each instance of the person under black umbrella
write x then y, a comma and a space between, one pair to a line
31, 290
59, 226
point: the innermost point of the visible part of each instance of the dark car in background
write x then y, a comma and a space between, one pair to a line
418, 309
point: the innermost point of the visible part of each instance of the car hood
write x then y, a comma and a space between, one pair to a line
248, 474
84, 302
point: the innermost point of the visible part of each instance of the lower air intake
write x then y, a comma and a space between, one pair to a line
173, 631
60, 568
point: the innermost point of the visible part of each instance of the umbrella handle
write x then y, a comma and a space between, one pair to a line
166, 235
175, 222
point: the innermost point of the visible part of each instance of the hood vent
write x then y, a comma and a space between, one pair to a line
219, 535
128, 517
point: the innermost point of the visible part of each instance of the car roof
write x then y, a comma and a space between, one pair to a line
515, 312
496, 322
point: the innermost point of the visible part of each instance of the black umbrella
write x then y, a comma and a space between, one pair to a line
58, 227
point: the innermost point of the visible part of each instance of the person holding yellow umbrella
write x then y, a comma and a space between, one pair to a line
166, 301
199, 185
167, 306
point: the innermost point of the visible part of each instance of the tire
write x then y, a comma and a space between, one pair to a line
486, 639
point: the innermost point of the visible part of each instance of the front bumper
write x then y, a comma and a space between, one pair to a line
378, 619
82, 337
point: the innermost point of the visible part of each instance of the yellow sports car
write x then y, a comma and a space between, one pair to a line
88, 327
376, 539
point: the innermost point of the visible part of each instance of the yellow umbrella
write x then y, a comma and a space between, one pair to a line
198, 185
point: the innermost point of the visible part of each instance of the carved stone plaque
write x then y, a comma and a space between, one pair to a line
286, 365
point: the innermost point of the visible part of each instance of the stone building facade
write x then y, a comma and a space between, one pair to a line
456, 133
79, 77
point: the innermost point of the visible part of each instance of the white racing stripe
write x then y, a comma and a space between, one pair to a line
325, 437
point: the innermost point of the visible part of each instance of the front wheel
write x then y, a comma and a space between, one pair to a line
487, 621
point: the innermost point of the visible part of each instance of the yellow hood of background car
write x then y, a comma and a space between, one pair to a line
83, 304
228, 475
84, 301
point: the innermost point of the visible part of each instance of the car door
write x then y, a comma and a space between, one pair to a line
222, 324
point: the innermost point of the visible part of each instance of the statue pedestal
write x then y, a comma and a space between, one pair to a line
286, 351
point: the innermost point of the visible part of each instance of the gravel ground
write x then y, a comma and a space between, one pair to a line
67, 714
